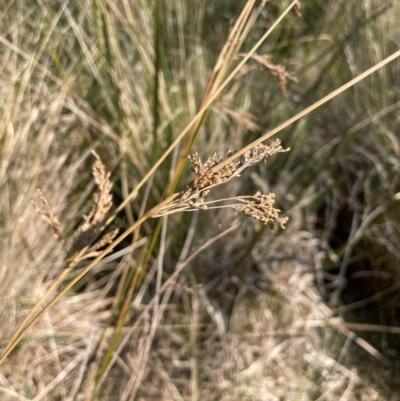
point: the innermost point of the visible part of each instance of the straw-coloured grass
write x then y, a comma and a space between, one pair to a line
133, 299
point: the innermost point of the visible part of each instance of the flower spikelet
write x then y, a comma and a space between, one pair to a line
275, 69
261, 207
214, 172
47, 215
94, 221
209, 175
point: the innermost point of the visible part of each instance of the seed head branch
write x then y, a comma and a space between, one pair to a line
207, 176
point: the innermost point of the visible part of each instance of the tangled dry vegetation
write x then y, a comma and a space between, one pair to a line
130, 299
247, 358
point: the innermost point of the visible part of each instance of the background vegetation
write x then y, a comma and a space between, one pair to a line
309, 313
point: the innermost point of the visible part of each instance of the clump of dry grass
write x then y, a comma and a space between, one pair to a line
276, 343
192, 196
265, 334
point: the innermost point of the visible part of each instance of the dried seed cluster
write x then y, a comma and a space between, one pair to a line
210, 174
93, 223
47, 215
261, 207
278, 70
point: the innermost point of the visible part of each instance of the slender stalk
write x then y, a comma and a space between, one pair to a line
309, 109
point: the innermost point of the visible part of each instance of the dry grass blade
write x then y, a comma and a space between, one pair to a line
309, 109
235, 40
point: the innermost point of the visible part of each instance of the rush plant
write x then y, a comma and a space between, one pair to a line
148, 123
